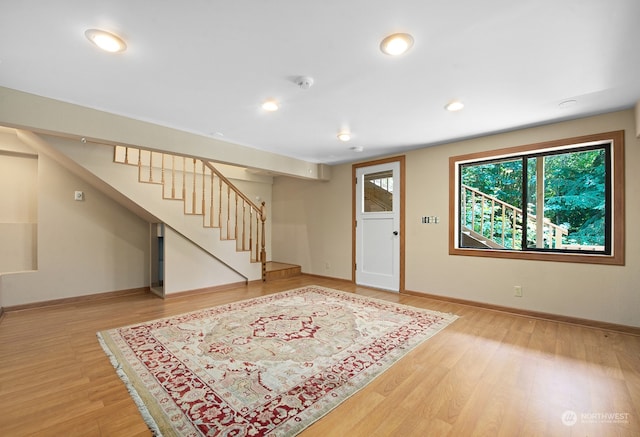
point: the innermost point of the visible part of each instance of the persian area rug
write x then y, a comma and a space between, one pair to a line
271, 365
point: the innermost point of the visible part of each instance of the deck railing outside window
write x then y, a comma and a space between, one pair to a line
500, 222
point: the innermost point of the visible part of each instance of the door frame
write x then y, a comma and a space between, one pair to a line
354, 167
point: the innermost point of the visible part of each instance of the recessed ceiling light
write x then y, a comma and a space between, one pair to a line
454, 105
396, 44
270, 105
344, 136
106, 41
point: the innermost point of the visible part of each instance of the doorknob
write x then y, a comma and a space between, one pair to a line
395, 232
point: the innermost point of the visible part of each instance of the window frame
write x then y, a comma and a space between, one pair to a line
616, 210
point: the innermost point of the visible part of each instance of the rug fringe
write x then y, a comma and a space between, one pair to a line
153, 426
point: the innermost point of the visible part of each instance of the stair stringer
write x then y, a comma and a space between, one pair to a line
98, 161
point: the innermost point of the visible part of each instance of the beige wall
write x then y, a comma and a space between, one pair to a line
187, 267
84, 248
43, 115
18, 204
79, 232
312, 223
312, 227
258, 189
98, 246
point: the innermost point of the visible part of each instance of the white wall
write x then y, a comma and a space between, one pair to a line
312, 227
84, 248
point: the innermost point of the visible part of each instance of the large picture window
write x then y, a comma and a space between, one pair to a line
560, 201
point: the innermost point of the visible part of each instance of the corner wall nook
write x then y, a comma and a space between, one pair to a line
19, 204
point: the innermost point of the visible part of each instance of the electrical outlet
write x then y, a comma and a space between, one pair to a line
517, 291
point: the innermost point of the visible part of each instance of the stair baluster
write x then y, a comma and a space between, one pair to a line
206, 199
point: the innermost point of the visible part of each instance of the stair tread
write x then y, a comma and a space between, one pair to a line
273, 265
277, 270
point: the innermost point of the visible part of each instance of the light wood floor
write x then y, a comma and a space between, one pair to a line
487, 374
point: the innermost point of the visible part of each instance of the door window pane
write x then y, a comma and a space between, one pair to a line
378, 191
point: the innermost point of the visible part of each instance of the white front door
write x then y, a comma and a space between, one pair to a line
378, 226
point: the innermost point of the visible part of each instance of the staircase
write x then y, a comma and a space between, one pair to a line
188, 195
205, 192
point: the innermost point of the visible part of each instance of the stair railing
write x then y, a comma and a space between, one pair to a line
205, 192
501, 222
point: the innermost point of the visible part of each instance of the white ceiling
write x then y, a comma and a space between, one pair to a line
205, 66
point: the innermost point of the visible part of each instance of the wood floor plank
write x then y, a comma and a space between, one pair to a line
335, 424
490, 373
